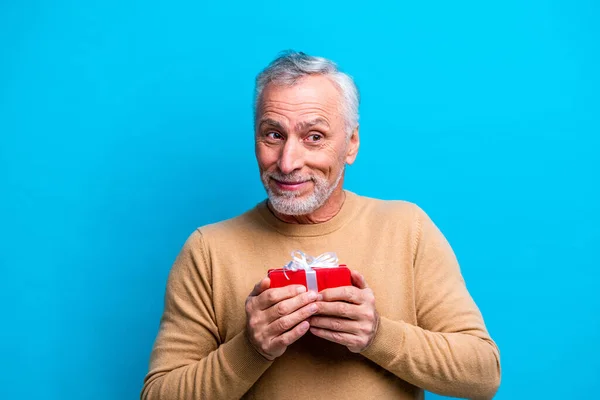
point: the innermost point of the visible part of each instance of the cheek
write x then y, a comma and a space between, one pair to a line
266, 157
326, 160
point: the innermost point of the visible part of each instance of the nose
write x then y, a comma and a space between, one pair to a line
291, 157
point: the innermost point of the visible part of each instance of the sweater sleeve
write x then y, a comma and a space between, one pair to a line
188, 360
450, 351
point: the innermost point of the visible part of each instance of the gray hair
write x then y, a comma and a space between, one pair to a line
290, 66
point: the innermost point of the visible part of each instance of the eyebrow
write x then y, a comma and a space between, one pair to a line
299, 126
272, 122
310, 124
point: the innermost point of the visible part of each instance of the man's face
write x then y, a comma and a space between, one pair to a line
301, 144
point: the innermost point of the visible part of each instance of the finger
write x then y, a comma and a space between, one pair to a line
335, 324
289, 337
286, 323
272, 296
346, 339
350, 294
358, 280
286, 307
261, 286
339, 309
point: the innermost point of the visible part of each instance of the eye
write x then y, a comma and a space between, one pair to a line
274, 135
315, 137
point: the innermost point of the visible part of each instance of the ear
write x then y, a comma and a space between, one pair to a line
353, 145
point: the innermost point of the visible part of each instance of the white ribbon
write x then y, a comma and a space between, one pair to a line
307, 263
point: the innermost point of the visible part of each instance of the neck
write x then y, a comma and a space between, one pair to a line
327, 211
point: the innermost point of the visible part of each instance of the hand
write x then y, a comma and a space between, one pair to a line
347, 315
276, 318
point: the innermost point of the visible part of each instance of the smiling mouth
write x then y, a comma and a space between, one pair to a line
289, 185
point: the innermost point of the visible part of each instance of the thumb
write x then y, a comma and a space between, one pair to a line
261, 286
358, 280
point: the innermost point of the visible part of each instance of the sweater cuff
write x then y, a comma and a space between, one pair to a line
243, 359
387, 344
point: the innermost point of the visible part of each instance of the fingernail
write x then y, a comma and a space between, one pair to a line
319, 297
312, 295
301, 289
313, 308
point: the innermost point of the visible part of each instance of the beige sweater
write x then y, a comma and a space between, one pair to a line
431, 334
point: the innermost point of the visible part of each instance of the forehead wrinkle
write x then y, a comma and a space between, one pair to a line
308, 108
316, 108
291, 108
301, 104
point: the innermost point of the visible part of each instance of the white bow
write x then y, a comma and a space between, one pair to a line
307, 263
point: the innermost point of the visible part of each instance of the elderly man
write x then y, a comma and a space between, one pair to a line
406, 323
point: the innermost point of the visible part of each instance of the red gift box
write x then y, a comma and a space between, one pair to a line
323, 270
326, 277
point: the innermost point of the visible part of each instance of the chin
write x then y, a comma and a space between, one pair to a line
293, 206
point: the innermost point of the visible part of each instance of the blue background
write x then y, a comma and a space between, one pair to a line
125, 125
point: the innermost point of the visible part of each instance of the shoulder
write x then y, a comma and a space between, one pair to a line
390, 210
230, 230
400, 219
222, 236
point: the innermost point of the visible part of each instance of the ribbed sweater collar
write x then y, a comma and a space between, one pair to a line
343, 216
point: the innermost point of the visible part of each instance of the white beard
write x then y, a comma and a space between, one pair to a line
289, 203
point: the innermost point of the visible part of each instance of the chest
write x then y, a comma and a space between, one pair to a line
386, 266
